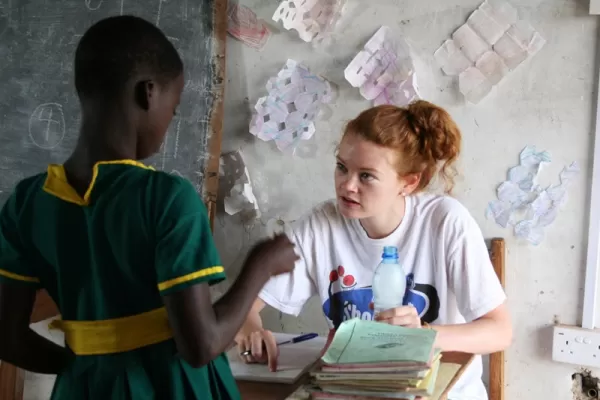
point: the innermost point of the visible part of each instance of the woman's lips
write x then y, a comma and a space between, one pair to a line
349, 202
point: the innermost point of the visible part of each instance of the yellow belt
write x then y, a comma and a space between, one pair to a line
117, 335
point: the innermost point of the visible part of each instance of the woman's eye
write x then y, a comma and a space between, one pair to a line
366, 177
340, 167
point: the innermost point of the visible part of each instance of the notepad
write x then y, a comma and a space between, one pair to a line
374, 344
294, 360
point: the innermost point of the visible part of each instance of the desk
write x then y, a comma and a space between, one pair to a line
277, 391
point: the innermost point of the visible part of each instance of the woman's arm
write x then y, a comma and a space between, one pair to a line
19, 344
253, 321
480, 297
488, 334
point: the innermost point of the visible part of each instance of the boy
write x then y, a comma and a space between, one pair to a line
125, 252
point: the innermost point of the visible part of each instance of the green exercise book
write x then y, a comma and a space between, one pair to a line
358, 343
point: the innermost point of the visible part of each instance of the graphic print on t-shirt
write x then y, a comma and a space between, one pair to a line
346, 300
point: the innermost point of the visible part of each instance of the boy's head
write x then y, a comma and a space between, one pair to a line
127, 62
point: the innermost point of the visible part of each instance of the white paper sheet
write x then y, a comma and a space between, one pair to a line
314, 20
384, 70
491, 43
521, 193
243, 25
236, 187
287, 114
294, 360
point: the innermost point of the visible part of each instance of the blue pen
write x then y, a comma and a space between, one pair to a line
297, 339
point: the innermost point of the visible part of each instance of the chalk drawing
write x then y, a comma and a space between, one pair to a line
175, 172
47, 125
176, 44
93, 5
121, 11
177, 137
164, 151
75, 38
159, 11
3, 25
5, 8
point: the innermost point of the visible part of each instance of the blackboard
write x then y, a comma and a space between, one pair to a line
39, 110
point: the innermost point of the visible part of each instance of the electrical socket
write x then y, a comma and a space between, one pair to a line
576, 345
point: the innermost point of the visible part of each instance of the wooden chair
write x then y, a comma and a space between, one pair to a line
497, 251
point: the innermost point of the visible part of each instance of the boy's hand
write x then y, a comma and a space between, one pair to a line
275, 255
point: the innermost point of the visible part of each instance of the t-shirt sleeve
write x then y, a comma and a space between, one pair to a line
185, 251
289, 292
472, 278
15, 265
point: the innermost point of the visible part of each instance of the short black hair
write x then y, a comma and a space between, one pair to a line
115, 49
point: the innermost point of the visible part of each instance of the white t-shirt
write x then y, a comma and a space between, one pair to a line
450, 278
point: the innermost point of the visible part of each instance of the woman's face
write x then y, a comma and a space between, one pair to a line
366, 181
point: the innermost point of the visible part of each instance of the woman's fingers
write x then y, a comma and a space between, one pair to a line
271, 349
402, 316
263, 349
256, 346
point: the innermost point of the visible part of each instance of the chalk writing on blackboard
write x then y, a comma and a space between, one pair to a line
47, 125
4, 18
177, 137
93, 4
159, 10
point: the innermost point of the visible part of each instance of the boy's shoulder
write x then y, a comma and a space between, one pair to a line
27, 186
169, 185
174, 193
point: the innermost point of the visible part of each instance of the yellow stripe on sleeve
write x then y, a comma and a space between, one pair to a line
189, 277
18, 277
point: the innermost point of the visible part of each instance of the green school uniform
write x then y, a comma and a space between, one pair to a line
107, 259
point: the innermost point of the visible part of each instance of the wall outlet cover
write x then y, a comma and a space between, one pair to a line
576, 345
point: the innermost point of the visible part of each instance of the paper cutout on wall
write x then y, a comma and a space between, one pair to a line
490, 44
235, 186
384, 70
314, 20
243, 25
521, 194
287, 114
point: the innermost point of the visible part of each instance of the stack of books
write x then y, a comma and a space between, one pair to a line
372, 360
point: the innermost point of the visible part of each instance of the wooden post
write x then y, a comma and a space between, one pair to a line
496, 383
12, 382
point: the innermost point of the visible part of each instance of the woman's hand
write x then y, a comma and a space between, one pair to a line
262, 346
406, 316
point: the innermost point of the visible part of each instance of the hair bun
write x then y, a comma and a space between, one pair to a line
438, 134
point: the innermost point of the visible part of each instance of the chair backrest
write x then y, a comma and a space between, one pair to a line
496, 360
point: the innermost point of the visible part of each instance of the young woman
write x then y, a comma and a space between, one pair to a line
385, 162
126, 252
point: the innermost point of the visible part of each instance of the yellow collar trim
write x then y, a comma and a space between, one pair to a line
57, 185
86, 338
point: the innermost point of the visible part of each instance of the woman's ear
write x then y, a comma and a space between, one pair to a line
411, 183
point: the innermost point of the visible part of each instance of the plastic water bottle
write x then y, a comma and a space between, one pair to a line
389, 281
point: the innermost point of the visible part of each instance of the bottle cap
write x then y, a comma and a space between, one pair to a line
390, 252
